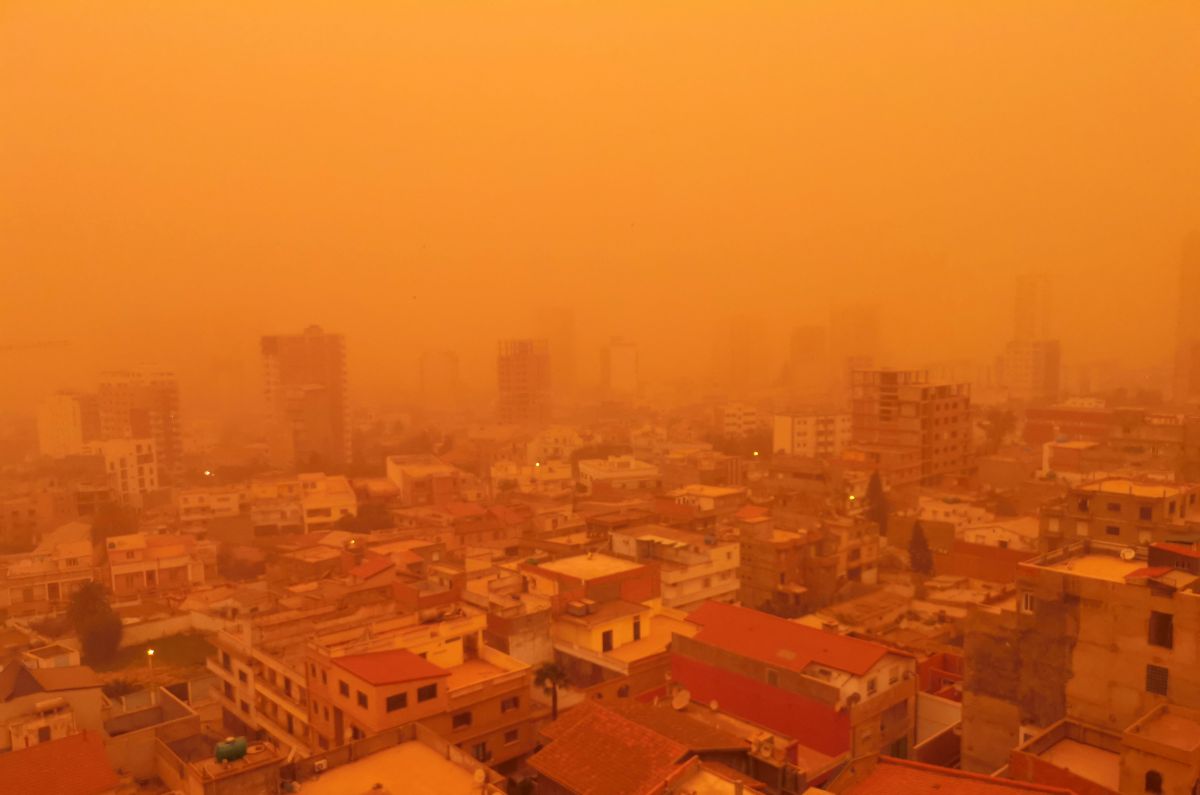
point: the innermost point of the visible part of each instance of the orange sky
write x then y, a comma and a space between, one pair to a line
178, 178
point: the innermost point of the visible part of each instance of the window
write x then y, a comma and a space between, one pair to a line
772, 677
1171, 507
242, 677
225, 661
637, 628
461, 720
1112, 530
398, 701
480, 751
1156, 679
893, 675
1083, 504
324, 677
312, 670
228, 691
362, 699
1145, 513
510, 703
1162, 629
1154, 781
511, 736
606, 640
872, 686
355, 734
245, 707
1027, 603
426, 693
344, 688
1114, 507
326, 713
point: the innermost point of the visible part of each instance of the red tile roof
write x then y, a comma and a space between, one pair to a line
894, 776
370, 567
608, 755
75, 765
1149, 571
783, 643
749, 511
1178, 549
389, 667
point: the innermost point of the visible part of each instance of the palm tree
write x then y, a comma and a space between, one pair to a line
549, 676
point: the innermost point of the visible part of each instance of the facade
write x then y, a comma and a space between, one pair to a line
306, 397
834, 694
811, 435
1122, 511
42, 583
131, 466
621, 377
1031, 370
141, 564
771, 573
144, 404
617, 473
65, 422
523, 374
693, 567
41, 705
735, 420
903, 410
423, 479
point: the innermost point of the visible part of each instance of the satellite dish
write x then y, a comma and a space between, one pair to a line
1128, 553
480, 775
681, 699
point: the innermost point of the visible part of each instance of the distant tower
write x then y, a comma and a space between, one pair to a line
808, 362
523, 373
306, 396
1187, 340
854, 343
556, 325
66, 422
1031, 318
144, 404
621, 368
440, 386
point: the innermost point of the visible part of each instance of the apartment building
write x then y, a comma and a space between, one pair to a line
42, 583
1122, 510
306, 391
771, 567
834, 694
66, 422
39, 705
144, 404
1098, 634
131, 466
736, 420
523, 376
617, 473
140, 563
424, 479
692, 567
904, 410
196, 506
811, 434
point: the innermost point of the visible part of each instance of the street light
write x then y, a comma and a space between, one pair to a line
150, 662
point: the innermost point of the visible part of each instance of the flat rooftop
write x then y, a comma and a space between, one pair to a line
1171, 729
1086, 761
1133, 487
587, 567
472, 672
410, 768
1098, 567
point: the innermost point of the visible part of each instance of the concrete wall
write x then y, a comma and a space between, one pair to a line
146, 631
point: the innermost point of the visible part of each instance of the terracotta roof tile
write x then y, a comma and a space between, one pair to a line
780, 642
370, 567
1178, 549
606, 754
389, 667
41, 768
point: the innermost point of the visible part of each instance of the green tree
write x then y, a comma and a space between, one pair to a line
920, 557
95, 622
877, 503
549, 677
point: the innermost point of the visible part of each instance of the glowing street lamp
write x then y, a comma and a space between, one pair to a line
150, 662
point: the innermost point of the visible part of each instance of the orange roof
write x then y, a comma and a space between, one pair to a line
1178, 549
460, 510
749, 511
780, 642
74, 765
370, 567
893, 776
389, 667
608, 755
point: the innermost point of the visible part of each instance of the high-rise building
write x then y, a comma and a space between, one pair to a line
306, 396
1031, 318
1187, 341
621, 368
556, 325
808, 361
144, 404
902, 409
65, 422
854, 343
812, 434
440, 387
523, 374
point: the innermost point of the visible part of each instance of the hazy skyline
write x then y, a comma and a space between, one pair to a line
177, 180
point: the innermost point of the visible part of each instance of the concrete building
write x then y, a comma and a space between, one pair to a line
1031, 370
131, 466
736, 420
901, 409
1122, 511
66, 422
140, 564
424, 479
1098, 634
835, 695
1187, 334
524, 379
693, 567
771, 573
197, 506
854, 344
620, 369
144, 404
72, 765
305, 376
40, 705
617, 473
42, 583
811, 434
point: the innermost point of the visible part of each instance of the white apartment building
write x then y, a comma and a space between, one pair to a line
812, 435
693, 567
60, 426
618, 472
736, 419
132, 467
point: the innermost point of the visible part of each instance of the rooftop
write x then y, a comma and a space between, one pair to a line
40, 768
410, 768
472, 672
1097, 566
587, 567
1134, 488
389, 667
892, 776
778, 641
1086, 761
1171, 726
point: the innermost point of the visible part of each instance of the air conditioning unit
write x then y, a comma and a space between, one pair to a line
320, 766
